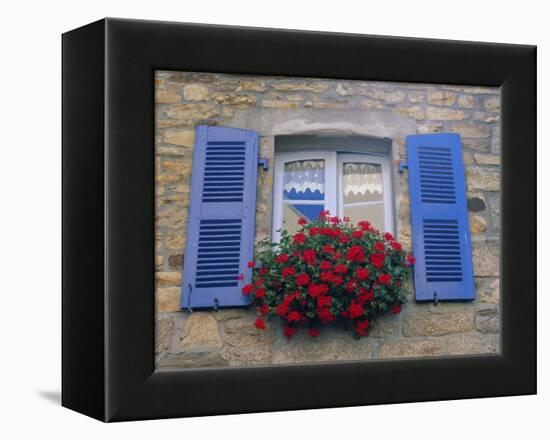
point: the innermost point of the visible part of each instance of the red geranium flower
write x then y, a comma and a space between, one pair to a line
287, 271
396, 245
355, 253
325, 276
336, 280
325, 315
294, 316
351, 285
299, 237
313, 332
302, 279
340, 269
316, 290
364, 225
281, 258
357, 234
263, 309
264, 271
324, 213
260, 324
250, 264
282, 309
384, 279
362, 273
260, 293
377, 260
411, 260
240, 277
328, 249
324, 301
362, 327
396, 309
355, 310
325, 265
365, 295
343, 239
379, 246
388, 236
309, 256
302, 221
288, 331
247, 289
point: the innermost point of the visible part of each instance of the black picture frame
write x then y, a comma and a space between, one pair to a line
108, 219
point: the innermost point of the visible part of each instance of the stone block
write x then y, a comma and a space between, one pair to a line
195, 92
483, 178
486, 258
164, 333
488, 320
167, 299
184, 138
436, 324
411, 349
445, 114
330, 345
200, 332
441, 97
473, 344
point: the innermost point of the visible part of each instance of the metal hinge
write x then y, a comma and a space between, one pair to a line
402, 166
263, 161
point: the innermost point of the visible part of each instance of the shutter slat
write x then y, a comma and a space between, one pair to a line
441, 236
220, 231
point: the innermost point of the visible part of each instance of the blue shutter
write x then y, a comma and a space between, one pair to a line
222, 210
441, 235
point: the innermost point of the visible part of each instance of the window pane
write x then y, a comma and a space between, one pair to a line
304, 180
293, 212
372, 213
362, 182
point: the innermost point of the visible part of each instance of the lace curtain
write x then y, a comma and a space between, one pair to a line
305, 174
360, 178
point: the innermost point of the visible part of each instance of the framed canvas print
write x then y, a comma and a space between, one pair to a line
259, 220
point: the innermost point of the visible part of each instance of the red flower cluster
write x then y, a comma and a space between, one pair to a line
330, 270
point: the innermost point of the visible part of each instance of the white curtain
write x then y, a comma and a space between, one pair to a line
305, 174
360, 178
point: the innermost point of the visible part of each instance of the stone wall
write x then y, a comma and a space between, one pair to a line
276, 106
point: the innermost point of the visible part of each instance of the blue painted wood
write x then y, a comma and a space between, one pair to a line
221, 219
439, 218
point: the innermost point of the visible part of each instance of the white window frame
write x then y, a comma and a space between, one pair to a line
333, 182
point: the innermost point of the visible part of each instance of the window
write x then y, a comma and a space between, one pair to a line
351, 185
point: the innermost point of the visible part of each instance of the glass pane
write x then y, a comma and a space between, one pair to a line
362, 182
372, 213
304, 180
293, 212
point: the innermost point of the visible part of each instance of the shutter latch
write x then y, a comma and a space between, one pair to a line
402, 166
435, 299
263, 161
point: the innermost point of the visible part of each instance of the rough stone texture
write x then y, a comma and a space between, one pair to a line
411, 349
473, 344
485, 258
436, 324
168, 299
200, 331
487, 320
483, 178
478, 225
331, 345
282, 106
195, 92
164, 333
